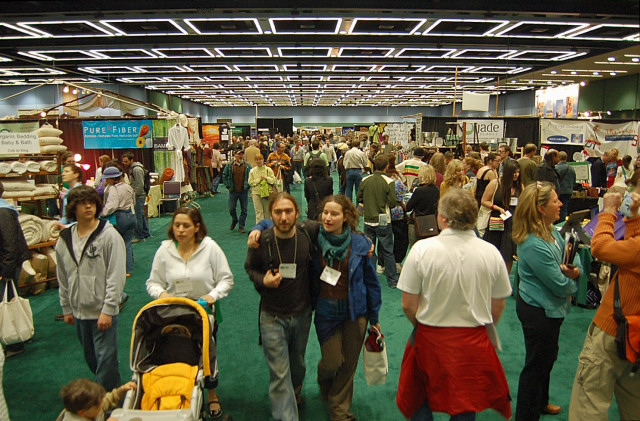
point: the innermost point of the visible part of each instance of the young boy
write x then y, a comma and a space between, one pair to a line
85, 400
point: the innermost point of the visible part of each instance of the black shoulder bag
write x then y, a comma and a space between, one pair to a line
628, 334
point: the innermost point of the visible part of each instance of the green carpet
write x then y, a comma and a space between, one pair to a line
33, 379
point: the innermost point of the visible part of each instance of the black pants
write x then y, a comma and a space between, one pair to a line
541, 344
400, 241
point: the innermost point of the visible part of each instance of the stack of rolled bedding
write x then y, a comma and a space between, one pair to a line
17, 188
18, 167
51, 232
5, 167
32, 227
32, 166
50, 166
49, 138
46, 190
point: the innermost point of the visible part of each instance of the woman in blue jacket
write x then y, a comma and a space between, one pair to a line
545, 288
349, 297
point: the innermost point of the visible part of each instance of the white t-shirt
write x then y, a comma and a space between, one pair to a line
456, 275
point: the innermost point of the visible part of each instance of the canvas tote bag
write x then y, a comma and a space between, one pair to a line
16, 318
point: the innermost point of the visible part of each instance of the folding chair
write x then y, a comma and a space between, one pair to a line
170, 197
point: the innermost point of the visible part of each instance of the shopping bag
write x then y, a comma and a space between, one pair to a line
296, 177
16, 318
374, 357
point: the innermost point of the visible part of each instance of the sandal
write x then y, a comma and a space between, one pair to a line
215, 413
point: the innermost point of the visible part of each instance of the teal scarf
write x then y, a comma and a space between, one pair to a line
334, 247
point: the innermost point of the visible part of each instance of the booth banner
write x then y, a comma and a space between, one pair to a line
398, 132
17, 143
117, 134
211, 134
559, 102
488, 130
596, 137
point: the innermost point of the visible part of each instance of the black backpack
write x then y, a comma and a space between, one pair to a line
147, 181
312, 155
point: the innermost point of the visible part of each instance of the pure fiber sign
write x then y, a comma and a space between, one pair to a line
117, 134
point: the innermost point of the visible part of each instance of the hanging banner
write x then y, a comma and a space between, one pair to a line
210, 134
596, 137
398, 132
560, 102
117, 134
17, 143
488, 130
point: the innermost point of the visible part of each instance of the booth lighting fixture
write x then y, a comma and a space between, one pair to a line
86, 166
65, 89
587, 114
608, 112
635, 59
43, 114
75, 91
583, 83
77, 157
613, 74
611, 58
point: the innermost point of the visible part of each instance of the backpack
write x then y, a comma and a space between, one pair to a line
312, 155
147, 180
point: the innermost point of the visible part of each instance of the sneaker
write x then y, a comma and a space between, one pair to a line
398, 267
10, 353
233, 226
380, 269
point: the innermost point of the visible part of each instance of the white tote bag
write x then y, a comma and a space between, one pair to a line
374, 358
16, 319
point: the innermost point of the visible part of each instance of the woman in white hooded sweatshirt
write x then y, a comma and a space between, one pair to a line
191, 265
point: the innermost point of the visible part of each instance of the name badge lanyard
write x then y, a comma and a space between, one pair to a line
284, 267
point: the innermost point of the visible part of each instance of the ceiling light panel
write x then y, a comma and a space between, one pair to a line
144, 27
184, 79
382, 26
400, 68
304, 67
446, 69
495, 69
225, 26
464, 27
424, 52
256, 67
256, 78
183, 52
609, 32
304, 78
62, 55
424, 79
481, 54
141, 80
66, 29
125, 53
544, 55
366, 52
532, 29
161, 69
307, 26
248, 52
346, 78
304, 51
353, 68
208, 68
8, 31
29, 71
106, 70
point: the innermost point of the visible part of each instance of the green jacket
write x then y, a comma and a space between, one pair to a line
377, 193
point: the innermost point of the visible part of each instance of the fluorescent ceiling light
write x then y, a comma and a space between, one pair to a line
343, 51
418, 24
142, 53
45, 34
192, 23
44, 55
256, 67
287, 51
166, 53
29, 71
117, 31
27, 34
633, 37
104, 70
234, 52
272, 22
576, 27
499, 24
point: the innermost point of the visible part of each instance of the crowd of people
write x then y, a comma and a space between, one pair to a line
454, 285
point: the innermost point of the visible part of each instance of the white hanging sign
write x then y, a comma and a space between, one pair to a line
17, 143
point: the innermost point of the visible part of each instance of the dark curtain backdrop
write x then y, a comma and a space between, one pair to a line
74, 141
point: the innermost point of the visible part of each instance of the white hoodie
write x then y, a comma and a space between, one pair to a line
206, 272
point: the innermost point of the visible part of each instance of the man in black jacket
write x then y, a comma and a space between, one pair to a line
547, 169
599, 171
13, 252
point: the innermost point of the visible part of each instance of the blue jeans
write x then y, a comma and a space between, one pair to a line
354, 177
142, 226
216, 181
100, 351
284, 342
384, 235
234, 196
424, 414
564, 210
126, 225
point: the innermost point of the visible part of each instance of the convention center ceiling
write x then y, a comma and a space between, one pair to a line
343, 54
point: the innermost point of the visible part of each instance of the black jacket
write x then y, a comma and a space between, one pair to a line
315, 190
545, 172
13, 246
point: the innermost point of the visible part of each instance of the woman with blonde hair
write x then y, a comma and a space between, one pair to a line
439, 164
453, 176
543, 299
424, 200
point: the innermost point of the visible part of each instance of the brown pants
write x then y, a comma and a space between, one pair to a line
337, 367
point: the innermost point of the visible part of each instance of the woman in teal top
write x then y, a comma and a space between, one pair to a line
546, 286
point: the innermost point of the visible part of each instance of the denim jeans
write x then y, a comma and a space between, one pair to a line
284, 342
142, 226
354, 177
216, 180
384, 235
234, 196
100, 351
424, 414
125, 225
